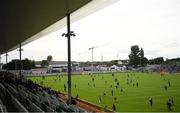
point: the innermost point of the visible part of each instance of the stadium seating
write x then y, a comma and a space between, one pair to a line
11, 89
73, 108
34, 98
2, 90
63, 106
49, 109
34, 107
18, 105
24, 96
2, 107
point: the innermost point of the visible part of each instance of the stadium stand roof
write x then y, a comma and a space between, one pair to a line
23, 21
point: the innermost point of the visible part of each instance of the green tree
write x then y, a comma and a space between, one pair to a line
113, 62
33, 65
142, 60
141, 56
44, 63
158, 60
145, 61
134, 56
26, 64
15, 64
49, 58
173, 61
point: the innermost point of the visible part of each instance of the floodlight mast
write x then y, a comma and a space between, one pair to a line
6, 57
101, 57
0, 61
68, 35
20, 58
92, 54
79, 56
6, 60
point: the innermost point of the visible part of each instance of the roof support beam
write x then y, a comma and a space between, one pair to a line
20, 70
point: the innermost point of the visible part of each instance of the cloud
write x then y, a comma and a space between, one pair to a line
152, 53
172, 45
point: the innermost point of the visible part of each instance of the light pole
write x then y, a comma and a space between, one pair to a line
6, 57
0, 61
101, 57
92, 54
68, 35
6, 60
20, 58
79, 57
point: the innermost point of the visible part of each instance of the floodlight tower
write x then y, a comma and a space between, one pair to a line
101, 57
6, 60
20, 58
0, 61
82, 53
79, 57
6, 57
68, 35
92, 54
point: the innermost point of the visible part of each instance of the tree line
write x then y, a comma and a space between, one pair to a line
15, 65
26, 64
137, 59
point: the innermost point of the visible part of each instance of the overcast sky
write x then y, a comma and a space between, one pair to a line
154, 25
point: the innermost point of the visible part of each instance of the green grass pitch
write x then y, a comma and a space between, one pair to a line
129, 97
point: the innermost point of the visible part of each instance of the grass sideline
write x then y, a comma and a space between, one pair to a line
132, 98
